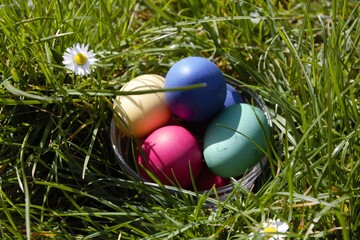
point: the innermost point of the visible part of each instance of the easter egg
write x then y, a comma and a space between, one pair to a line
208, 179
140, 114
172, 154
232, 96
235, 140
197, 104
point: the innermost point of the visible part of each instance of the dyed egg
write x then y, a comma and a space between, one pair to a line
142, 113
232, 96
235, 140
197, 104
168, 153
208, 179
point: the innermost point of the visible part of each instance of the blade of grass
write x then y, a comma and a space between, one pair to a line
21, 93
25, 187
91, 146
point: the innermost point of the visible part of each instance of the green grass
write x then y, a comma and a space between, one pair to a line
59, 178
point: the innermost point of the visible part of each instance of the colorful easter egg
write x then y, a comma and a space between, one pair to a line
232, 96
235, 140
208, 179
140, 114
197, 104
172, 154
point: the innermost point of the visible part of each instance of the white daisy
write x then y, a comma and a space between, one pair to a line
271, 230
255, 17
78, 59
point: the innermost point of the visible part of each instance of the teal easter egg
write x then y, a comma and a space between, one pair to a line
236, 140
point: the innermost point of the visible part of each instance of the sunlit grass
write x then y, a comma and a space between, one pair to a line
59, 177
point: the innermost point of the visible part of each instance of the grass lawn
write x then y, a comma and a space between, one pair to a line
59, 178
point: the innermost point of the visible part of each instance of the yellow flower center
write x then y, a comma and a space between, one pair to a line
270, 230
80, 59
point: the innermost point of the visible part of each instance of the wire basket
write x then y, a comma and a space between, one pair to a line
123, 150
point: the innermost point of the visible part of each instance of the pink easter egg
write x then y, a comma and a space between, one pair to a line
168, 153
208, 179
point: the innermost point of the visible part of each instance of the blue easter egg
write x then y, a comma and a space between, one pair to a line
232, 96
198, 104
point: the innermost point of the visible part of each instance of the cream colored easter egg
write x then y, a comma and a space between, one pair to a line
140, 114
